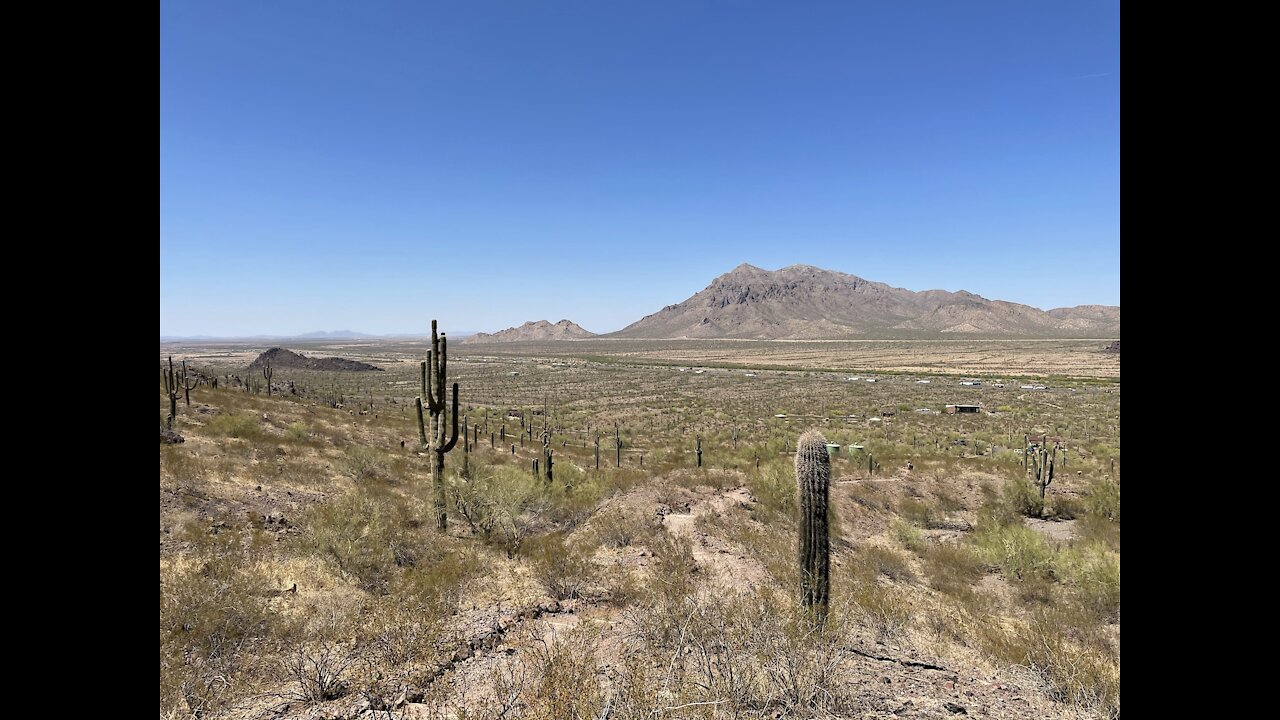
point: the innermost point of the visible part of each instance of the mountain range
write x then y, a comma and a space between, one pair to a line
802, 302
538, 330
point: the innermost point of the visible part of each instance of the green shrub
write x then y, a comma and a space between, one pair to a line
952, 569
918, 513
236, 425
774, 488
910, 537
365, 538
1104, 499
873, 561
1022, 497
1064, 507
364, 464
1016, 550
298, 432
1093, 572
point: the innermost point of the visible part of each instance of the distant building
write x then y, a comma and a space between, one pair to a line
953, 409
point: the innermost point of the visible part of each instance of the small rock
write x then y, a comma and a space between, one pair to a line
885, 679
955, 708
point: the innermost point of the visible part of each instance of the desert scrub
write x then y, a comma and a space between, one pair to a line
563, 569
298, 432
364, 464
774, 488
1093, 574
1104, 499
216, 624
618, 528
870, 496
237, 425
1018, 552
502, 504
183, 467
1021, 497
952, 569
884, 610
919, 513
872, 561
1077, 665
910, 537
365, 538
1064, 507
565, 681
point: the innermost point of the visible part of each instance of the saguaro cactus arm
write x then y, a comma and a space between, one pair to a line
453, 440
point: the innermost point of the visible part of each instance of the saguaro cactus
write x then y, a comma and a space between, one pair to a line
187, 387
617, 442
266, 373
433, 386
546, 455
172, 388
1044, 460
813, 478
699, 451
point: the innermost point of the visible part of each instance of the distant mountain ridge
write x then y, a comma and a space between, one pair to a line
534, 331
316, 335
334, 335
803, 302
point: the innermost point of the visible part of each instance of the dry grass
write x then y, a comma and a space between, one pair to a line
271, 493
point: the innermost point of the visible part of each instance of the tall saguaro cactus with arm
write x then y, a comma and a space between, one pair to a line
172, 387
267, 373
187, 387
433, 387
813, 478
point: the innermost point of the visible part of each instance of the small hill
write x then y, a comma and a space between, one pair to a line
281, 358
534, 331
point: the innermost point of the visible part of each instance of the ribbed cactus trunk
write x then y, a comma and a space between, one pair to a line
433, 396
187, 387
171, 389
813, 478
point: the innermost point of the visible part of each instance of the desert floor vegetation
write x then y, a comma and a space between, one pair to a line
302, 575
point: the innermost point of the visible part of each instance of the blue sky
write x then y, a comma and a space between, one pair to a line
371, 166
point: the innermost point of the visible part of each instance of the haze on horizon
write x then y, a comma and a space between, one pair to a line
326, 167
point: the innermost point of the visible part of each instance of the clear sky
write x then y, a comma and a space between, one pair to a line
370, 166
